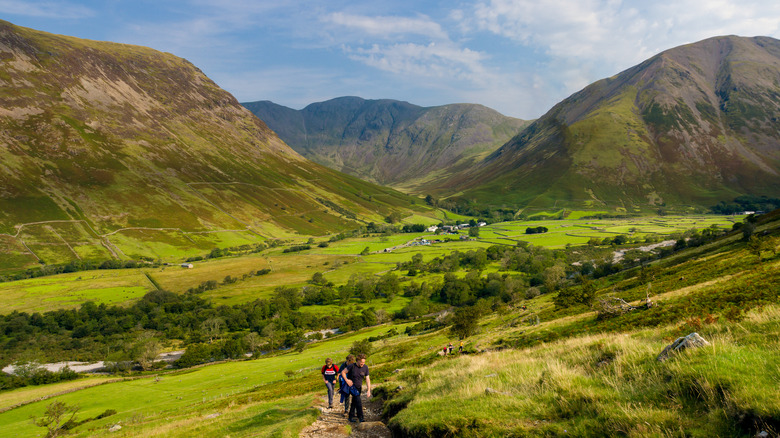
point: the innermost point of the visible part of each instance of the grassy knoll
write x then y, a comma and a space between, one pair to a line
70, 290
605, 385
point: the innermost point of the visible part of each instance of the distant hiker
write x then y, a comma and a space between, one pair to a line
450, 348
354, 375
329, 372
460, 349
445, 350
343, 387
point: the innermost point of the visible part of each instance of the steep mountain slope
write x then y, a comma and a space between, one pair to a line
116, 136
393, 143
691, 126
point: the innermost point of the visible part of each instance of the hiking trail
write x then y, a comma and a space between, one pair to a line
333, 423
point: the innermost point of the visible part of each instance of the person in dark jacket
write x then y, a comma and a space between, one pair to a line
354, 376
344, 389
329, 373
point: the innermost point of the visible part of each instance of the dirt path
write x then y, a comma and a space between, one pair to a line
334, 424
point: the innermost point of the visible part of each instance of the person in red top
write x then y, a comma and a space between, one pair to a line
329, 373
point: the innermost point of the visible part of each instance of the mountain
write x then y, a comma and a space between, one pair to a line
688, 127
391, 142
106, 147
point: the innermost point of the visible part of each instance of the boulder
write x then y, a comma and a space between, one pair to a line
693, 340
374, 429
115, 428
491, 391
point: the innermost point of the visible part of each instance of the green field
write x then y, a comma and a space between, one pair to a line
579, 232
338, 261
71, 290
536, 371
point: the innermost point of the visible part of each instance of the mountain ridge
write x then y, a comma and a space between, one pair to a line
388, 141
691, 125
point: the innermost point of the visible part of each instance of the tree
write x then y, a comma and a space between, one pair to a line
269, 332
362, 346
56, 416
365, 251
747, 230
388, 285
756, 245
569, 296
416, 308
213, 328
393, 217
253, 341
474, 232
146, 349
318, 278
465, 322
552, 277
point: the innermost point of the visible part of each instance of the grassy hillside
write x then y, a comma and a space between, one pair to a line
531, 368
114, 151
683, 130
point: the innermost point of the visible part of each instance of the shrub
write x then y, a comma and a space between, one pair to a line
362, 346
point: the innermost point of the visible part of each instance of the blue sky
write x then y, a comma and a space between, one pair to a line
519, 57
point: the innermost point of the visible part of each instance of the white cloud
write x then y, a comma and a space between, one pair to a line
621, 33
586, 40
388, 26
45, 9
431, 60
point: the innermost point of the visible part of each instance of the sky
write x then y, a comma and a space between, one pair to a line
519, 57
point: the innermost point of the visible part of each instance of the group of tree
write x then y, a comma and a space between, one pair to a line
744, 203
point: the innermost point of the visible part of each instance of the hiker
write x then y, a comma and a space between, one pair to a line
354, 375
460, 349
343, 388
329, 372
450, 348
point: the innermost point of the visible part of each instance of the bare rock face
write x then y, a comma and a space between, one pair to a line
693, 340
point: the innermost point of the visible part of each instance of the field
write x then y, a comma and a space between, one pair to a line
70, 290
580, 231
338, 261
537, 370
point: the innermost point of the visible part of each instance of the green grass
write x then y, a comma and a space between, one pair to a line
339, 261
578, 232
147, 405
569, 375
65, 291
604, 385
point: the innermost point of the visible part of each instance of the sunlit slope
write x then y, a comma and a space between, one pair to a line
689, 127
120, 136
